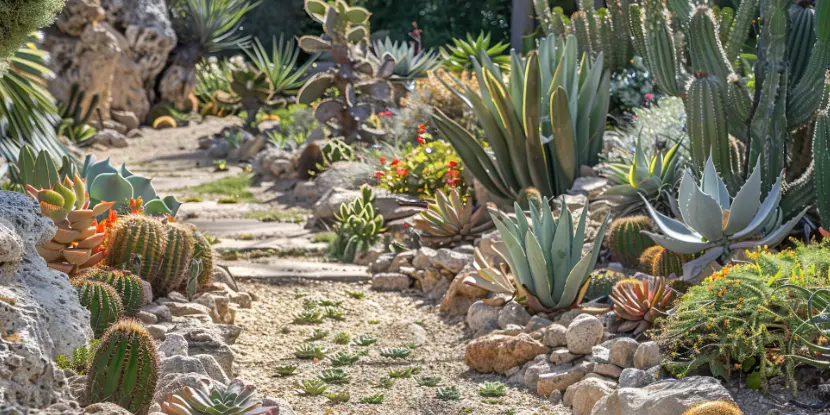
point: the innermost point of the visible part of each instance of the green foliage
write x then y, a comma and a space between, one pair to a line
358, 227
458, 57
449, 393
342, 337
428, 381
313, 387
309, 316
422, 169
357, 295
80, 360
376, 399
364, 340
285, 370
338, 397
73, 123
540, 100
640, 178
311, 351
20, 19
631, 87
209, 398
210, 25
544, 281
395, 352
318, 334
450, 221
342, 358
103, 303
280, 68
747, 318
106, 183
386, 381
204, 253
626, 242
335, 376
232, 186
335, 150
403, 372
128, 286
410, 63
492, 389
125, 368
213, 86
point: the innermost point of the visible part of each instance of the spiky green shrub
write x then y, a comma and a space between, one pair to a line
601, 284
102, 301
128, 286
210, 398
459, 56
626, 241
492, 389
358, 227
80, 359
541, 126
138, 238
125, 368
313, 387
410, 63
641, 179
661, 262
450, 221
20, 19
747, 318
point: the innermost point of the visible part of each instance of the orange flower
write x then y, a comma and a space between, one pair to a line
383, 160
395, 162
136, 206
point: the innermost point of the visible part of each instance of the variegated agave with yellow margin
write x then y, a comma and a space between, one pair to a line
653, 179
744, 221
548, 271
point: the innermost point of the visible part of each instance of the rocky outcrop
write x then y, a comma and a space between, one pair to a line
668, 397
40, 315
500, 353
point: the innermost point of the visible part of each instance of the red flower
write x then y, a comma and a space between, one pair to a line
649, 97
421, 140
378, 174
395, 162
453, 164
422, 129
383, 160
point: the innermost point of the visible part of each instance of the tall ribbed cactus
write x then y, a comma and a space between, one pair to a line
139, 238
128, 286
175, 260
625, 240
125, 368
102, 301
821, 152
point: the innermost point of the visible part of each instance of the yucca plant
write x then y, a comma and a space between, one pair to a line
458, 57
637, 303
358, 226
542, 125
280, 67
744, 222
213, 87
450, 221
652, 179
545, 259
210, 398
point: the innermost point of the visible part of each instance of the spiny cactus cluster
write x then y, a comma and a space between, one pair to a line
359, 83
626, 241
661, 262
358, 226
125, 368
102, 301
714, 408
128, 286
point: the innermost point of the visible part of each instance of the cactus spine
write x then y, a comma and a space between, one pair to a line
124, 370
128, 287
204, 252
176, 259
625, 240
661, 262
102, 301
142, 236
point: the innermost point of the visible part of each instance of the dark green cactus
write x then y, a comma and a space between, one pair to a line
175, 260
707, 127
336, 150
102, 301
128, 286
800, 43
138, 240
204, 252
661, 262
601, 284
660, 48
125, 368
626, 242
821, 151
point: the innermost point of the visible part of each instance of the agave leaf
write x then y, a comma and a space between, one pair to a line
693, 268
705, 215
713, 185
539, 269
560, 255
515, 256
672, 227
678, 246
767, 209
775, 237
746, 203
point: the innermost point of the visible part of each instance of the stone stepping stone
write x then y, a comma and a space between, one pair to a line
230, 227
294, 246
289, 271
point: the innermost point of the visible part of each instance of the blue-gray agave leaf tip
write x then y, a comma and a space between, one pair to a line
711, 218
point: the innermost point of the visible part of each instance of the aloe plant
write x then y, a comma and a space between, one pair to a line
450, 221
744, 222
545, 257
652, 179
459, 56
542, 125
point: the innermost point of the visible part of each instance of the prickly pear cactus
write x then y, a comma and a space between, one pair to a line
125, 368
625, 240
102, 301
128, 286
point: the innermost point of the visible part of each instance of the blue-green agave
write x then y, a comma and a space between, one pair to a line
235, 399
744, 221
545, 257
409, 64
107, 183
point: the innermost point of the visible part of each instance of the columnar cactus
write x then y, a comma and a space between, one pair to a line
175, 260
138, 238
125, 368
102, 301
626, 241
358, 82
128, 286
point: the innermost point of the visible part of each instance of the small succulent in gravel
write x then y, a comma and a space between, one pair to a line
492, 389
342, 358
342, 337
312, 387
428, 381
335, 376
318, 334
449, 393
310, 351
286, 370
309, 316
385, 382
338, 397
395, 352
373, 321
365, 340
373, 400
357, 295
310, 303
404, 372
333, 313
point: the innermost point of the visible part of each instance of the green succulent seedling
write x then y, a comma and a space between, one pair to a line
335, 376
342, 337
333, 313
286, 370
373, 399
310, 351
449, 393
342, 358
312, 387
364, 340
357, 295
404, 372
373, 321
318, 334
428, 381
325, 302
395, 352
492, 389
309, 316
385, 382
338, 397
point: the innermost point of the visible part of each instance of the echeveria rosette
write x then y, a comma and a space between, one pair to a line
744, 221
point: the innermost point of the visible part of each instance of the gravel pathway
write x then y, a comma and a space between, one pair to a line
396, 320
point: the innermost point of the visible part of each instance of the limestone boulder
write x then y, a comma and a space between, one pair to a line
460, 297
499, 353
667, 397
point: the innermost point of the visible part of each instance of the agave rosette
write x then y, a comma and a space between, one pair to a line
545, 257
638, 303
236, 398
451, 221
650, 178
745, 222
409, 64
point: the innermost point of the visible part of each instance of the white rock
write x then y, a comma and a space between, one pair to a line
513, 313
424, 257
622, 352
667, 397
390, 281
554, 336
451, 260
586, 393
561, 356
479, 314
635, 378
647, 355
583, 334
173, 345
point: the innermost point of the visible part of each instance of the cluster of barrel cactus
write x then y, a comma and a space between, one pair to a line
359, 82
626, 241
125, 368
109, 294
358, 227
450, 221
661, 262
